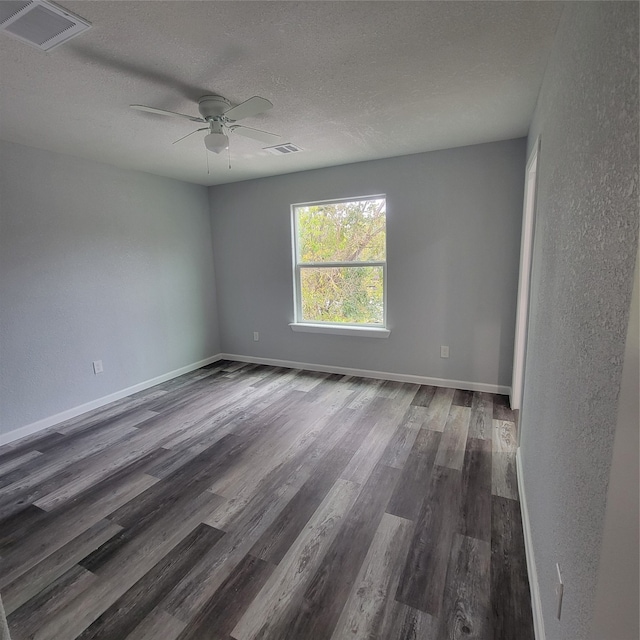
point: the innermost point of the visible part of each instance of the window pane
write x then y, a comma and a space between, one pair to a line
342, 294
342, 232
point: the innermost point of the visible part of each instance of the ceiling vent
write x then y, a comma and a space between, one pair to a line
39, 23
283, 149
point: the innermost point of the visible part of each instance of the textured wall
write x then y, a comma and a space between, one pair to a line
618, 593
96, 263
453, 238
584, 253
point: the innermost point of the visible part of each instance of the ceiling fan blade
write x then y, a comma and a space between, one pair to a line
190, 134
164, 112
256, 134
248, 108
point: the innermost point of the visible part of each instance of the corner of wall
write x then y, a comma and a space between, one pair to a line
618, 592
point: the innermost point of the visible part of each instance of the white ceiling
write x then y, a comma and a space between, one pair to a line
349, 81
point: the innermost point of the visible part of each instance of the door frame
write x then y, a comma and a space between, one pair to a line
524, 280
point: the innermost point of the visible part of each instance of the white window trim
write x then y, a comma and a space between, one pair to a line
364, 330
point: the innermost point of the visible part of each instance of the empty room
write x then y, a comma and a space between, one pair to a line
319, 320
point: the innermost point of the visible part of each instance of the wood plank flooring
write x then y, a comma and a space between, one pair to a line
246, 502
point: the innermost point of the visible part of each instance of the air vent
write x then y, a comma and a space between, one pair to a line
283, 149
39, 23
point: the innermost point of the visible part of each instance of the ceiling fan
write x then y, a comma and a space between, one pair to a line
220, 118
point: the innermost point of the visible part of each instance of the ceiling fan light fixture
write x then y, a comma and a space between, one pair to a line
216, 142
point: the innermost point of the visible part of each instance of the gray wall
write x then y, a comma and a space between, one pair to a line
453, 240
618, 592
96, 263
584, 253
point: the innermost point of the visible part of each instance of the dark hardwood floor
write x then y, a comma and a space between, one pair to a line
252, 502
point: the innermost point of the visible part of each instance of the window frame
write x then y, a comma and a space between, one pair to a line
340, 328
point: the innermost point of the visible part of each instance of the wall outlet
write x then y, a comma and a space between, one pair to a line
559, 592
97, 367
256, 336
444, 351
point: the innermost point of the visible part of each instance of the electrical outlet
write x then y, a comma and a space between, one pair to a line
559, 592
444, 351
97, 367
256, 336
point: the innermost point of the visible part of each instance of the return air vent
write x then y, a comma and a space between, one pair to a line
283, 149
39, 23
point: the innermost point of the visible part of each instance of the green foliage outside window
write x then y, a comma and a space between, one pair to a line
346, 235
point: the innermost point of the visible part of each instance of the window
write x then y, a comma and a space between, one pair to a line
340, 262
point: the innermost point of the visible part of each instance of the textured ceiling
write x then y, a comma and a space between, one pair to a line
349, 81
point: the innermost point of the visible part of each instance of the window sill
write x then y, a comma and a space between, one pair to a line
336, 330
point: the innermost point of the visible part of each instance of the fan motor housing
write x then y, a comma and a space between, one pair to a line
213, 106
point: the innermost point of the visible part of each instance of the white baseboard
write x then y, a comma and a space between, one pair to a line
366, 373
51, 421
536, 607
